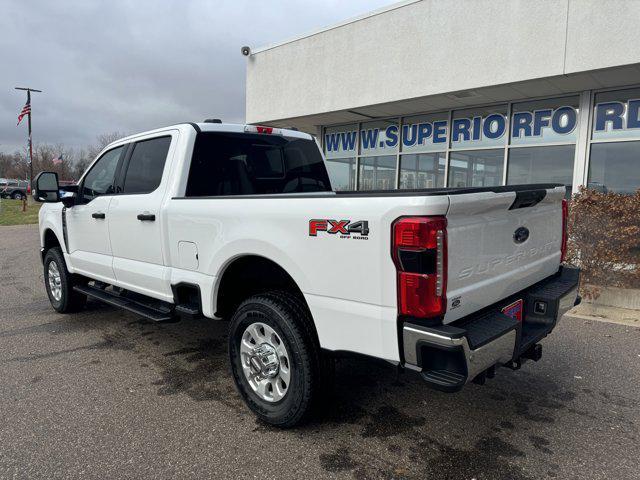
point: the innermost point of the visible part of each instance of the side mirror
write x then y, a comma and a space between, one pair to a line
47, 188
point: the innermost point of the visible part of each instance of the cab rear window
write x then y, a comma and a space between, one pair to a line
254, 164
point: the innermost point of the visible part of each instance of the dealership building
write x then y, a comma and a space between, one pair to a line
434, 93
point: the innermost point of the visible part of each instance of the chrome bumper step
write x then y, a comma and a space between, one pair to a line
449, 356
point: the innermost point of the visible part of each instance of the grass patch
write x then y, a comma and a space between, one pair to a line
11, 213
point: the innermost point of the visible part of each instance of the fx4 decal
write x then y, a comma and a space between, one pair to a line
345, 228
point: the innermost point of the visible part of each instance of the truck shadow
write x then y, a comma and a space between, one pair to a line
373, 423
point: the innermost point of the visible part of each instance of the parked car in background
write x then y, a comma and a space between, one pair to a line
16, 189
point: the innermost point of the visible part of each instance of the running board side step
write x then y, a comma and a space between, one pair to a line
161, 313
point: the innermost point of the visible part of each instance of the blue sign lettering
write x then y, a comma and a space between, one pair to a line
494, 126
610, 112
332, 142
521, 124
633, 114
477, 122
460, 127
525, 127
348, 140
409, 140
440, 131
424, 132
541, 119
564, 120
392, 136
617, 119
369, 138
561, 121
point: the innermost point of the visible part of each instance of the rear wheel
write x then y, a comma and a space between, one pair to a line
17, 195
59, 283
275, 357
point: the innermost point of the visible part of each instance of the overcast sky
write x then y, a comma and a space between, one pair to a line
134, 65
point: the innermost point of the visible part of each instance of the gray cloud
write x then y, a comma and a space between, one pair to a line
135, 65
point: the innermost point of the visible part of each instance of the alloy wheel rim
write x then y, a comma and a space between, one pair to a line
55, 281
265, 362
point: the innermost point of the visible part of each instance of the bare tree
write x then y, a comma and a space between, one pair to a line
45, 157
102, 141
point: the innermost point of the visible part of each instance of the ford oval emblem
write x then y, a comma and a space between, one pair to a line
521, 235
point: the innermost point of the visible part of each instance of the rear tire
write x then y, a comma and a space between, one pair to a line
279, 382
59, 283
17, 195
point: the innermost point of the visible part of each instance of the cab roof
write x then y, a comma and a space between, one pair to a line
219, 127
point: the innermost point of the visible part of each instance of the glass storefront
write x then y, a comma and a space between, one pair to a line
533, 141
615, 167
614, 157
340, 156
553, 164
476, 168
422, 170
342, 172
377, 169
378, 173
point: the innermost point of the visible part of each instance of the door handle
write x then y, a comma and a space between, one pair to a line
146, 217
98, 215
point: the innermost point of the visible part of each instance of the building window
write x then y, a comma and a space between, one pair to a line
476, 168
541, 165
615, 167
616, 115
614, 159
471, 163
479, 128
378, 173
340, 153
425, 133
340, 142
534, 140
379, 145
543, 135
342, 172
545, 121
379, 137
422, 170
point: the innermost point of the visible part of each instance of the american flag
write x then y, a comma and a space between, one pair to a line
26, 110
57, 160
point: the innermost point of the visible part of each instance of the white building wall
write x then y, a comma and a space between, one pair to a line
432, 47
602, 34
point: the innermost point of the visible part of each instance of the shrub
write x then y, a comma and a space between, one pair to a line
604, 238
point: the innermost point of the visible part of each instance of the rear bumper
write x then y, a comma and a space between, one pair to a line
449, 356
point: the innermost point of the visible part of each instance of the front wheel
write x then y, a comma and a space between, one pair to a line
17, 196
59, 283
275, 358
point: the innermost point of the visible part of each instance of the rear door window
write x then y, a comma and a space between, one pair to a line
254, 164
144, 171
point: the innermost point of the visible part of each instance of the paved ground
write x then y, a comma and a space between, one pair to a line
103, 394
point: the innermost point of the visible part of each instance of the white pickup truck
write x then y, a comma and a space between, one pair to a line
239, 222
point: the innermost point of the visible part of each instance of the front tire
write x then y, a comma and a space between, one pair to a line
17, 196
275, 358
59, 283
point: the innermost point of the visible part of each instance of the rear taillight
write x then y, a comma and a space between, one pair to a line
420, 256
565, 218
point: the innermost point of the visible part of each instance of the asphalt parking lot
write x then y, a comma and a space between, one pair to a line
104, 394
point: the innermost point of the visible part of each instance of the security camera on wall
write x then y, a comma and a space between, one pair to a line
246, 51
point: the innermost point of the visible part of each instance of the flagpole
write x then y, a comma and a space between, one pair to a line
29, 90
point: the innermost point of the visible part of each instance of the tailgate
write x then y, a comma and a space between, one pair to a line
500, 243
